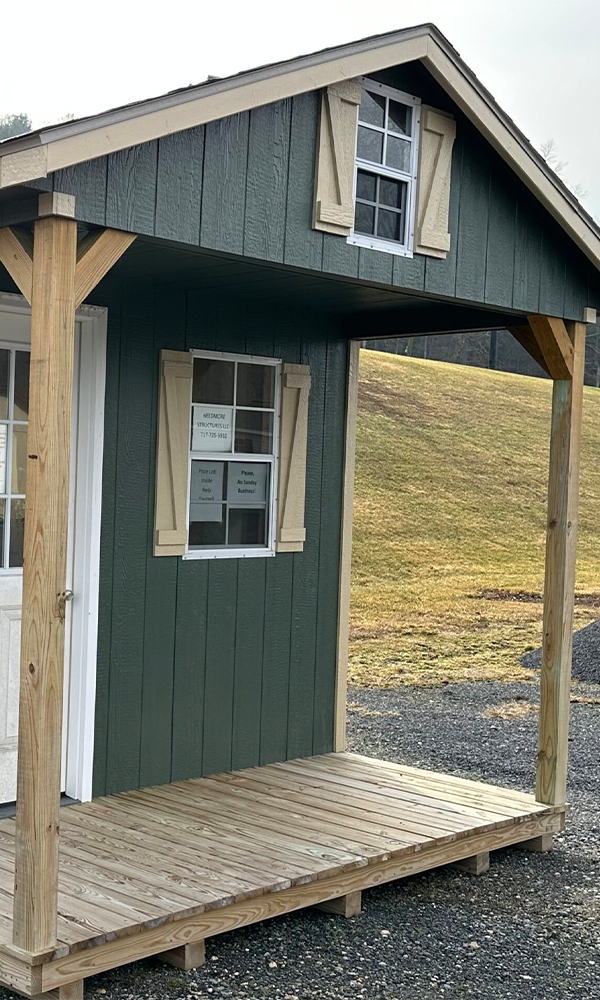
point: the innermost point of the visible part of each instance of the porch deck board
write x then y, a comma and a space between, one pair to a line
144, 859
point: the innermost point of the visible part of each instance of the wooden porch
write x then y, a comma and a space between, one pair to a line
157, 871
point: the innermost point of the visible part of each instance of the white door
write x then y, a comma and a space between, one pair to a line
84, 524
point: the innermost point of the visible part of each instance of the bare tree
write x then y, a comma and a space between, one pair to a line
550, 154
11, 125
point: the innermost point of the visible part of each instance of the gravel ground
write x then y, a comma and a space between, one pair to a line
527, 929
586, 654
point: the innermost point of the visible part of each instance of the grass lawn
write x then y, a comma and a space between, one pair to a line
450, 500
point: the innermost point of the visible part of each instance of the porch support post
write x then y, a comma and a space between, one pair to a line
559, 585
341, 676
44, 577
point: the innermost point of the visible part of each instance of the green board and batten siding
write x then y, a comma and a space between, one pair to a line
244, 185
209, 665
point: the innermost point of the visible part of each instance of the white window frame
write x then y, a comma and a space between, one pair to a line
272, 459
9, 422
380, 170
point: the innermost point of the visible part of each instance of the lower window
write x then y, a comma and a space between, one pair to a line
233, 456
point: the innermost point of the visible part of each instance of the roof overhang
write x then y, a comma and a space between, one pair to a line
33, 156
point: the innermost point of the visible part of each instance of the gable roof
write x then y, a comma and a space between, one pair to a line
35, 155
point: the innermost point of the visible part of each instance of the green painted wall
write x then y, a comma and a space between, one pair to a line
210, 665
244, 185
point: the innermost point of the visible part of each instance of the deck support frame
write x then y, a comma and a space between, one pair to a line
175, 934
54, 276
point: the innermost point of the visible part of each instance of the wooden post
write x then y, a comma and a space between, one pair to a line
44, 575
559, 585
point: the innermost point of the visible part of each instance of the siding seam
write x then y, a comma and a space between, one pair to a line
287, 181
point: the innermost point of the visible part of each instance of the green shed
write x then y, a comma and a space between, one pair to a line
184, 283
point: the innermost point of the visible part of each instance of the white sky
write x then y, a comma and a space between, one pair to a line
539, 58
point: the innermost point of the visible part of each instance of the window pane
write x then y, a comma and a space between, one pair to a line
398, 153
247, 527
212, 428
256, 385
366, 184
391, 192
372, 108
208, 533
399, 118
213, 381
365, 219
369, 145
206, 483
253, 432
21, 411
17, 524
388, 225
4, 362
247, 482
19, 459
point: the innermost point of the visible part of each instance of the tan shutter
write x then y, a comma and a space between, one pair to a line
292, 458
336, 150
438, 131
172, 449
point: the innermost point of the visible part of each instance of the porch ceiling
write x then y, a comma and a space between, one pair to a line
157, 261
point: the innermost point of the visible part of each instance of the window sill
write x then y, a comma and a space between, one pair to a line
373, 244
228, 553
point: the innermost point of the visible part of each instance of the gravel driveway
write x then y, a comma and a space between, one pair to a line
527, 929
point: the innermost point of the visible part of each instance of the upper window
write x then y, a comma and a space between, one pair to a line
386, 166
233, 448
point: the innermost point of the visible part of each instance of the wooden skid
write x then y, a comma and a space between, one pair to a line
158, 871
344, 906
188, 956
478, 864
538, 845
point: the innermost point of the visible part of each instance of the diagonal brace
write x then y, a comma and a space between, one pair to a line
96, 255
555, 345
17, 259
524, 336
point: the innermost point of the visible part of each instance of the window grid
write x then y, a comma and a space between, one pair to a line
266, 458
403, 137
10, 422
381, 169
377, 204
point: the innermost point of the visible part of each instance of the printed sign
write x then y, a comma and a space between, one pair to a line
206, 481
247, 482
3, 458
206, 491
212, 428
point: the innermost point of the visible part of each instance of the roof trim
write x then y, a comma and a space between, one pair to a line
33, 156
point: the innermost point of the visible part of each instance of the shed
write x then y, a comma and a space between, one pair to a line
185, 282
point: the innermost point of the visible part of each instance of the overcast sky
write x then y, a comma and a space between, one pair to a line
539, 58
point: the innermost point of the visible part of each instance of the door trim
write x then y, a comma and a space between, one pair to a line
83, 567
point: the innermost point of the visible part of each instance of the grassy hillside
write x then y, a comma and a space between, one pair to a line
450, 517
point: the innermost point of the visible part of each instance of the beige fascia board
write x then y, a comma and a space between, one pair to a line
484, 117
95, 142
